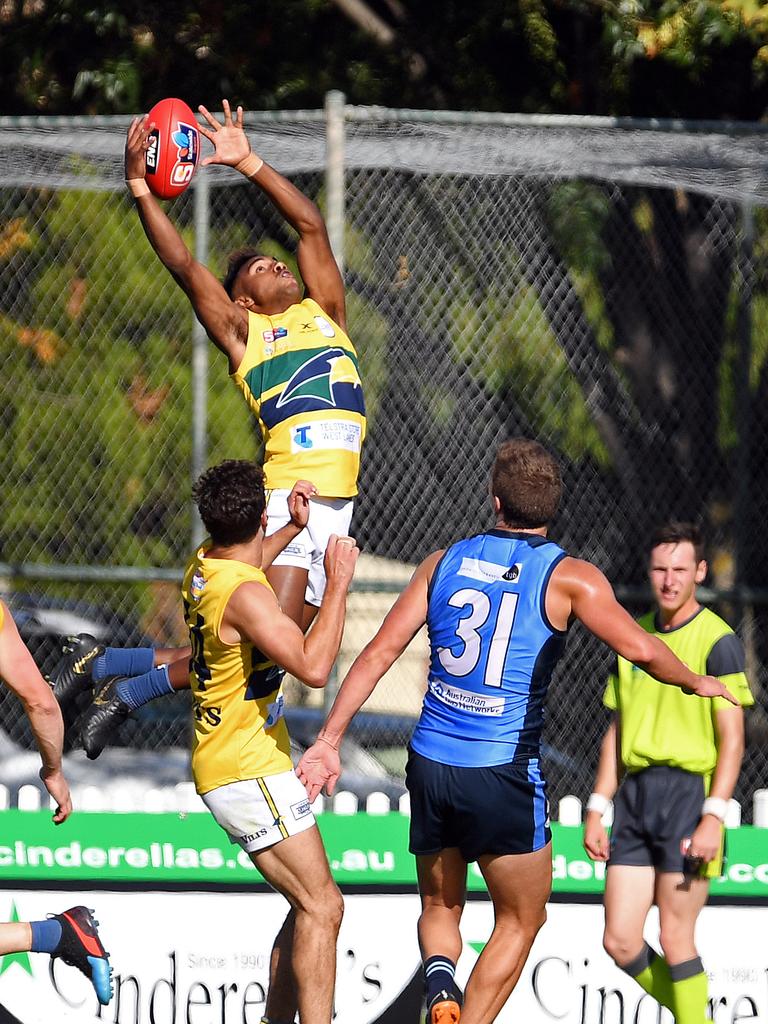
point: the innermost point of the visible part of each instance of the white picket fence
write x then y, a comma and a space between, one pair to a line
182, 799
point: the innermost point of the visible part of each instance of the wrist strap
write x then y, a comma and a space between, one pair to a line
137, 186
598, 802
716, 806
333, 746
250, 165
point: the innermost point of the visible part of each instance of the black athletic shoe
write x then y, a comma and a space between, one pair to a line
445, 1008
80, 946
72, 675
102, 716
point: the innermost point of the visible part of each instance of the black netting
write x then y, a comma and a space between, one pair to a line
605, 291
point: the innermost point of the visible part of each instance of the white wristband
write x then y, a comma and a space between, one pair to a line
598, 802
250, 165
716, 806
137, 187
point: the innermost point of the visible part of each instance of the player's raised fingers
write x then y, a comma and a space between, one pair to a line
207, 134
239, 117
136, 127
210, 119
227, 112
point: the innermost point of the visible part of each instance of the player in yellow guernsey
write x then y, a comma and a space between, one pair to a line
241, 641
680, 760
240, 732
296, 367
287, 352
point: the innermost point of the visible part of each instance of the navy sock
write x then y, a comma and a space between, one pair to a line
438, 976
123, 661
46, 935
142, 689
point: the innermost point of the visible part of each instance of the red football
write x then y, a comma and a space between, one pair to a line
174, 148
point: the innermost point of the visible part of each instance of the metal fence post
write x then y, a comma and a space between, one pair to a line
746, 282
334, 173
334, 197
743, 414
199, 417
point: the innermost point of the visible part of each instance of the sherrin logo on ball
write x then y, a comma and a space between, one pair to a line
174, 148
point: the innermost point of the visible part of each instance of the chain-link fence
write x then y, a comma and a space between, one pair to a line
602, 286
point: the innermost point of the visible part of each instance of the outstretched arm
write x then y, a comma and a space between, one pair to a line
22, 675
253, 613
317, 265
592, 600
225, 322
298, 509
320, 766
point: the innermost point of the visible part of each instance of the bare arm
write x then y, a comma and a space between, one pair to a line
729, 728
608, 774
254, 614
582, 590
320, 764
402, 623
606, 784
22, 675
317, 265
298, 509
225, 322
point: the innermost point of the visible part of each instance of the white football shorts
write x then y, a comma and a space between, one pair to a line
257, 813
307, 550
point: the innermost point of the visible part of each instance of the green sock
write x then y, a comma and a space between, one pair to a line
689, 992
651, 972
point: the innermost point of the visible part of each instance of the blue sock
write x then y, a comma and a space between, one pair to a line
142, 689
438, 975
123, 661
46, 935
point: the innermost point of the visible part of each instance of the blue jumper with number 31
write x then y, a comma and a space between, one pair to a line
493, 651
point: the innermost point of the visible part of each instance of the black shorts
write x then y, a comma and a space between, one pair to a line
653, 811
497, 810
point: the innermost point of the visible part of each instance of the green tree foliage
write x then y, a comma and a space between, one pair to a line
97, 387
696, 58
682, 59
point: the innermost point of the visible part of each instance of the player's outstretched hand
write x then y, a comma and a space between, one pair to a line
320, 766
595, 837
228, 139
710, 686
58, 788
340, 558
298, 502
136, 144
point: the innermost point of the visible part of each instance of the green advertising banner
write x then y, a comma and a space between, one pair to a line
363, 849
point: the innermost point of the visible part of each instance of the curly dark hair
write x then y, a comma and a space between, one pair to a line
230, 498
235, 262
526, 480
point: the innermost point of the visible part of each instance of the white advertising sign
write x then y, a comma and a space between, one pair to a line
570, 979
202, 958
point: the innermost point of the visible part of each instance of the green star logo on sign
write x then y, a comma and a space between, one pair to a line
22, 959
